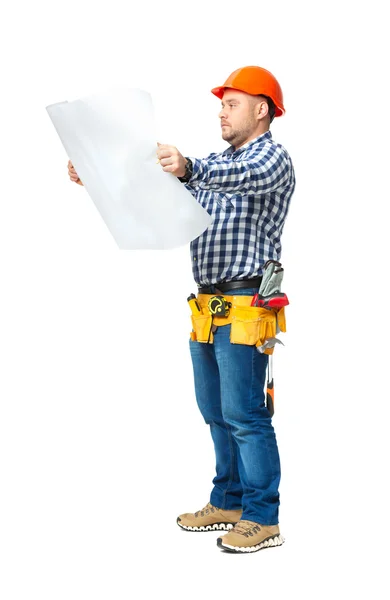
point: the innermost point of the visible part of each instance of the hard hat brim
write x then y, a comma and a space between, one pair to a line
219, 92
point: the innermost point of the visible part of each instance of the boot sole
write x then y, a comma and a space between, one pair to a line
271, 542
214, 527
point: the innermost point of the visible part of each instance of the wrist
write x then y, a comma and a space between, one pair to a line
188, 171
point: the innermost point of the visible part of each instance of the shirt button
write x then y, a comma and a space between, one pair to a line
194, 258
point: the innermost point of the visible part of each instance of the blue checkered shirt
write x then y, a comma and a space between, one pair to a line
247, 192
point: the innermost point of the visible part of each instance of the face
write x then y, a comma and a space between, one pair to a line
239, 117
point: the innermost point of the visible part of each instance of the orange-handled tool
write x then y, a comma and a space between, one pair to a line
270, 388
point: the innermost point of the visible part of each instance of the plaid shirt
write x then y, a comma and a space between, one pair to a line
247, 192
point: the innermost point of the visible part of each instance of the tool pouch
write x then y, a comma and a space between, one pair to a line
201, 325
281, 320
252, 325
273, 328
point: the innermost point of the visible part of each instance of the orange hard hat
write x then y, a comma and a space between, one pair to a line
255, 81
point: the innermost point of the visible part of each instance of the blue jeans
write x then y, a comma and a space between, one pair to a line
229, 388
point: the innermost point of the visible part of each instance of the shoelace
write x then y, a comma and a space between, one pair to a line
246, 528
206, 510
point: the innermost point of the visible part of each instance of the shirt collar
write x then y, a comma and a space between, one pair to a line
261, 138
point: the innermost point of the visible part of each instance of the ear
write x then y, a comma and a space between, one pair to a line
262, 109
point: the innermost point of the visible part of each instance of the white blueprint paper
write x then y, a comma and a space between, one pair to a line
110, 139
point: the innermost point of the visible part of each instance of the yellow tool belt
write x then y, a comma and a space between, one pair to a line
251, 325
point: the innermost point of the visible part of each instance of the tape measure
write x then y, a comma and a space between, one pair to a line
219, 306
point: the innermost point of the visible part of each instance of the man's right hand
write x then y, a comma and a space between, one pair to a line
73, 175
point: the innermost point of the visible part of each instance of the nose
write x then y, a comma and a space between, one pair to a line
222, 113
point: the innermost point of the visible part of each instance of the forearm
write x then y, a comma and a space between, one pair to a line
262, 174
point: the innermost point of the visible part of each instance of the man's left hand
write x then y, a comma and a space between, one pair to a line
171, 160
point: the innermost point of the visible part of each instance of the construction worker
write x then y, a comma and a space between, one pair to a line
247, 190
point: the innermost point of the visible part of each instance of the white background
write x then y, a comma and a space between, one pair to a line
101, 441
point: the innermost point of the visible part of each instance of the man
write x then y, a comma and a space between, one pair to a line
247, 190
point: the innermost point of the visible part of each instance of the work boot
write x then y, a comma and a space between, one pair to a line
210, 518
248, 536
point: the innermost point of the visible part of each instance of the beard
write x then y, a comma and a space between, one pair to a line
238, 136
